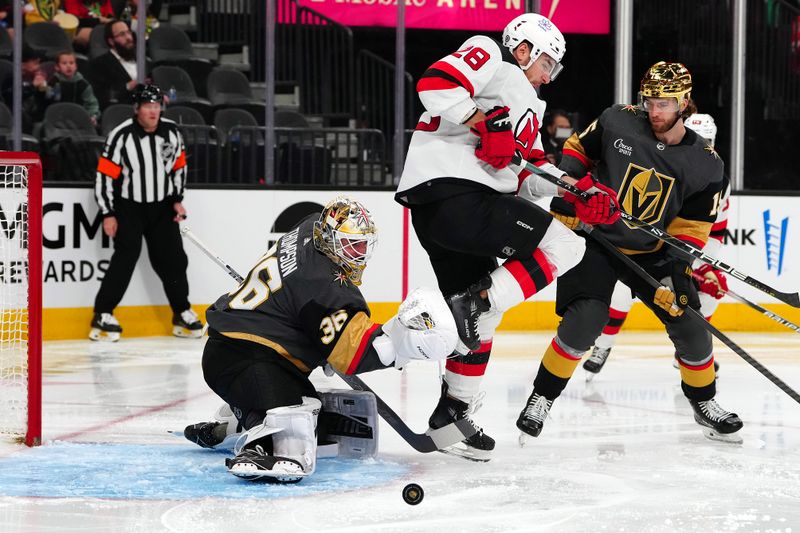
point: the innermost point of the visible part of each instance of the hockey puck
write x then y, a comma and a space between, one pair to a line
413, 494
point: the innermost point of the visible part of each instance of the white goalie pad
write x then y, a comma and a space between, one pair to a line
350, 419
423, 328
293, 433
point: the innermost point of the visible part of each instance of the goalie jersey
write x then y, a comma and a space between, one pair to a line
677, 188
297, 302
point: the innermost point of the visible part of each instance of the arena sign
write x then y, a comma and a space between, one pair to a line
571, 16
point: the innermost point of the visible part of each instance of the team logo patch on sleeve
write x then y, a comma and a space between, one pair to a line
525, 132
644, 193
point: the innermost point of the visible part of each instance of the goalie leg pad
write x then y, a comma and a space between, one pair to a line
350, 419
283, 448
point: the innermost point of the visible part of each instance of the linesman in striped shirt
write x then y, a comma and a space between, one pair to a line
139, 187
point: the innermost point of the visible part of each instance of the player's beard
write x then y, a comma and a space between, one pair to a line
665, 126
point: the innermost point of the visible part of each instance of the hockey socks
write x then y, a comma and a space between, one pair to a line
558, 364
516, 280
698, 380
465, 372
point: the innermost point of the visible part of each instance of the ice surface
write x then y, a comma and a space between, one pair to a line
621, 453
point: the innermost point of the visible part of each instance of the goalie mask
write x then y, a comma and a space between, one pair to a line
543, 37
346, 233
665, 80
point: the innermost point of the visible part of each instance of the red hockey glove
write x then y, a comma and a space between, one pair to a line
711, 281
496, 143
602, 207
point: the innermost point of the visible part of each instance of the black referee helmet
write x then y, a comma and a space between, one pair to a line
146, 93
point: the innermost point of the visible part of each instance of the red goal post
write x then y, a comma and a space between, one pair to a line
21, 297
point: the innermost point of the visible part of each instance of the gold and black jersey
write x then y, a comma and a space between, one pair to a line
297, 302
676, 188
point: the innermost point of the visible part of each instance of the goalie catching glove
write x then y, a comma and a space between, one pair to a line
602, 207
497, 143
423, 328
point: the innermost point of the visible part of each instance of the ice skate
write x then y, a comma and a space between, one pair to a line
105, 328
531, 419
466, 307
187, 325
206, 434
256, 464
717, 423
594, 364
476, 448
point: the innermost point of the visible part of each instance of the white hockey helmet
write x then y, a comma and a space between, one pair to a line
543, 36
703, 125
346, 233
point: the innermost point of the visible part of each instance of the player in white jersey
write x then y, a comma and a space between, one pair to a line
469, 206
712, 288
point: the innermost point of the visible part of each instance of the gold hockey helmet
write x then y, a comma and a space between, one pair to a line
666, 80
346, 233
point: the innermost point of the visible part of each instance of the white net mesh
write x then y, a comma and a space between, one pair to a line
13, 300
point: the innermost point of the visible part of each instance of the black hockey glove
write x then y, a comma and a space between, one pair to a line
684, 285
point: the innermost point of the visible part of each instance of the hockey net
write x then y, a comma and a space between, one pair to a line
20, 296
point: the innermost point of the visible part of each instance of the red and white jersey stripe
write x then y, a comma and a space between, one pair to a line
473, 77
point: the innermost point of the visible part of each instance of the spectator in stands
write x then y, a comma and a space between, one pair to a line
69, 85
35, 90
90, 13
113, 75
7, 16
131, 10
557, 129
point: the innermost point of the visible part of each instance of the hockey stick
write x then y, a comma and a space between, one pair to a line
694, 314
766, 312
434, 440
792, 299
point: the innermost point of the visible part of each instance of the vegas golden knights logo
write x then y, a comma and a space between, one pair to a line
644, 193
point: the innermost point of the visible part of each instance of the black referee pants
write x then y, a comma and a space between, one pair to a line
154, 222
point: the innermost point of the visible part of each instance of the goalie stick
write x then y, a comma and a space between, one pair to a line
431, 441
695, 315
766, 312
792, 299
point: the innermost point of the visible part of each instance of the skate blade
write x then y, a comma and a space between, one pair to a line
590, 376
479, 456
732, 438
524, 439
104, 336
184, 333
251, 472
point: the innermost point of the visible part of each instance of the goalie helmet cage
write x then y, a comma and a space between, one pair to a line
21, 297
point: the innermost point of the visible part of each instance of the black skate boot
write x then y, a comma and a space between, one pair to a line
187, 325
717, 423
206, 434
531, 419
105, 328
594, 364
254, 463
476, 448
466, 307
